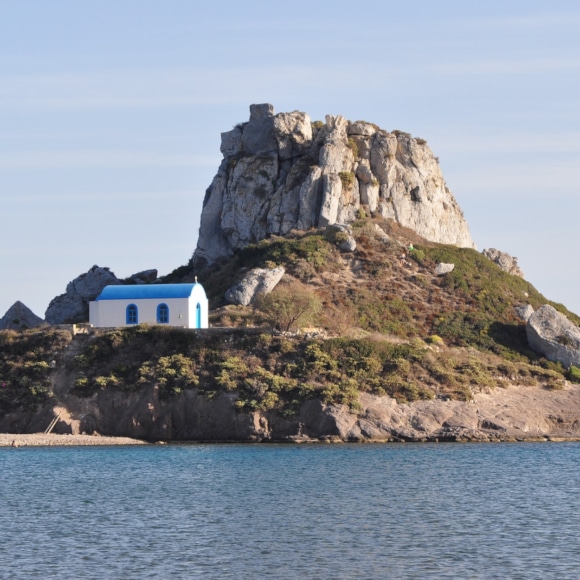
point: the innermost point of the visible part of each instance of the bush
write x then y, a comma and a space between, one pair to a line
573, 374
289, 306
347, 178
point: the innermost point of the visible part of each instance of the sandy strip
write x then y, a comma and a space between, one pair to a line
40, 440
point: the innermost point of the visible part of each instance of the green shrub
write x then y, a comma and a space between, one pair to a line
347, 178
573, 374
353, 147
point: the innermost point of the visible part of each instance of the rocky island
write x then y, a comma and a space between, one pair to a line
348, 303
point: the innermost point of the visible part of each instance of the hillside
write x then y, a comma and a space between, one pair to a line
394, 353
382, 322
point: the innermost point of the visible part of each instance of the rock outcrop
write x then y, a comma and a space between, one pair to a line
506, 262
20, 317
144, 277
73, 306
551, 334
342, 236
257, 282
524, 312
283, 172
514, 413
441, 269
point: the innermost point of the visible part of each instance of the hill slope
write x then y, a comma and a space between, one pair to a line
396, 353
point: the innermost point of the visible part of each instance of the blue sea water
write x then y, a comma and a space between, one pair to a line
291, 511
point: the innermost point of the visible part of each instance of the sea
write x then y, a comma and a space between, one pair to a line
446, 510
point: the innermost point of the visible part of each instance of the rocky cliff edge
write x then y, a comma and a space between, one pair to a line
282, 172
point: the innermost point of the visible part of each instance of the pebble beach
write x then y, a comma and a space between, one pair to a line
52, 440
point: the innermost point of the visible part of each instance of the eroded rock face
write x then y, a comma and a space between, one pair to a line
506, 262
20, 317
514, 413
257, 282
73, 306
551, 334
282, 172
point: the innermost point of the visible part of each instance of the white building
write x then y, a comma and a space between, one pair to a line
182, 305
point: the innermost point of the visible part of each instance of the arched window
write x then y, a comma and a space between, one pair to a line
198, 316
162, 314
132, 314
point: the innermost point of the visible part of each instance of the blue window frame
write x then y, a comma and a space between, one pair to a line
162, 314
132, 314
198, 316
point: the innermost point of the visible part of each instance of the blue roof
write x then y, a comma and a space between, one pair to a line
146, 291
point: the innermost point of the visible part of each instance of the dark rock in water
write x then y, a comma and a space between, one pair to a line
20, 317
73, 306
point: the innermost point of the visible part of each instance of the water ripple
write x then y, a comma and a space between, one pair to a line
243, 511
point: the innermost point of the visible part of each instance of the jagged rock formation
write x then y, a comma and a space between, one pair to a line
283, 172
73, 306
20, 317
506, 262
257, 282
554, 336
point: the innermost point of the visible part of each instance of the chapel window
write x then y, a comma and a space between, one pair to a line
163, 314
132, 314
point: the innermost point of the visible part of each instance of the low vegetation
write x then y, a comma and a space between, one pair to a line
26, 361
382, 323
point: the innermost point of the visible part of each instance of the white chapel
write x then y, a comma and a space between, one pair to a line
184, 305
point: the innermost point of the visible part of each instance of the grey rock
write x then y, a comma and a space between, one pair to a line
257, 282
278, 174
73, 306
341, 235
231, 142
20, 317
293, 133
552, 335
441, 269
258, 134
361, 128
506, 262
524, 312
144, 277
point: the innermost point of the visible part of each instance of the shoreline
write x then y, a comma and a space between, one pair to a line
67, 440
55, 440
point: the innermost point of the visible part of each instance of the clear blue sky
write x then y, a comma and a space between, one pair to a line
111, 113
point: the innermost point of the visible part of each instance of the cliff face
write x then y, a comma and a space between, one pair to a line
516, 413
283, 172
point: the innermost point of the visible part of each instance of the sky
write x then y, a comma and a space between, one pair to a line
111, 113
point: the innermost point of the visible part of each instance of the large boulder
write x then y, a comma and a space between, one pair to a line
552, 335
506, 262
20, 317
281, 172
257, 282
441, 269
73, 306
